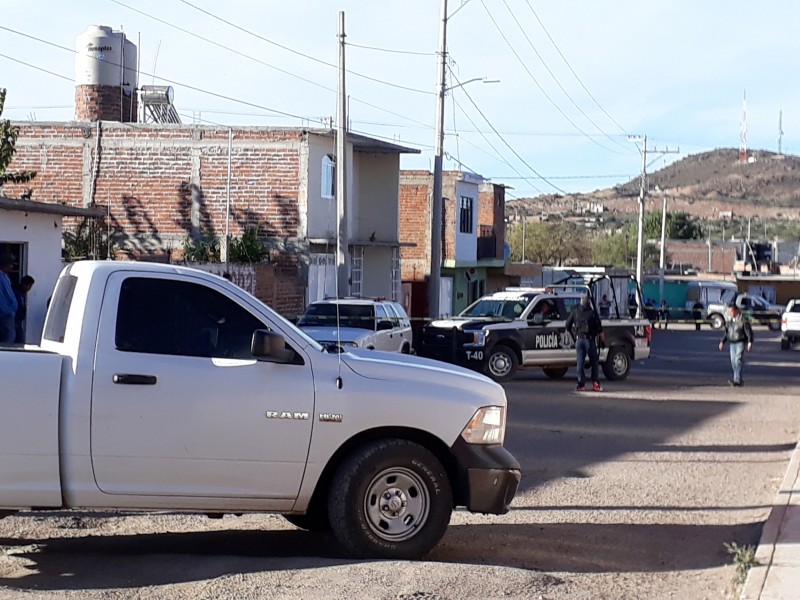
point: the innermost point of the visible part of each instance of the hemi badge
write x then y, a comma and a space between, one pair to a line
330, 418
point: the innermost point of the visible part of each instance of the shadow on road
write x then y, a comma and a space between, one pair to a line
134, 561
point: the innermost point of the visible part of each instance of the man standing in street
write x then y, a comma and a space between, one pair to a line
584, 325
8, 301
738, 333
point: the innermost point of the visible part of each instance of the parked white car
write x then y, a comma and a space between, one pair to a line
790, 324
358, 323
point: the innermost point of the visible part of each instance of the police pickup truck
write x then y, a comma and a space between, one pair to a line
526, 328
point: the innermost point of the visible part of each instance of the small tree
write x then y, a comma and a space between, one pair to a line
203, 249
91, 239
248, 248
8, 143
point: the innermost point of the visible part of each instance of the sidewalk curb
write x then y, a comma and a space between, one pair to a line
757, 577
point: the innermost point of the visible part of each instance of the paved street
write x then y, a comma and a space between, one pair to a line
628, 493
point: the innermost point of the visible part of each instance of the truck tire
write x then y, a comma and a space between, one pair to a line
618, 363
716, 321
785, 344
774, 325
502, 363
555, 372
390, 499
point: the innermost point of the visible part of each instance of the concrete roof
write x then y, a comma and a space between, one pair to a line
49, 208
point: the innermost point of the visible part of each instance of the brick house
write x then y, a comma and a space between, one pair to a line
159, 183
473, 238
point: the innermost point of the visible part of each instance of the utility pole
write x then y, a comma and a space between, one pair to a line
640, 226
434, 280
661, 254
342, 276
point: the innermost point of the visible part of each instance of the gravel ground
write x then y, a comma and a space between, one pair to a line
626, 495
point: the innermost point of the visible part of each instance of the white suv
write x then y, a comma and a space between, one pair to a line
358, 323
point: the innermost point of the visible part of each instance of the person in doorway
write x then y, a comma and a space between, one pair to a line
584, 325
738, 334
21, 292
8, 301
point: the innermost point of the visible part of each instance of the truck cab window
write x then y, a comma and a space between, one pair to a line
160, 316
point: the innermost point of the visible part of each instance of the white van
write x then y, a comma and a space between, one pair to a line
709, 292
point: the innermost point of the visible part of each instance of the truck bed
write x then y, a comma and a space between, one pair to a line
29, 436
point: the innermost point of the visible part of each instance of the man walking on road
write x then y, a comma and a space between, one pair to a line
584, 325
738, 333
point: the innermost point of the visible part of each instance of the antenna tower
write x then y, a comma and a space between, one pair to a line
780, 130
743, 131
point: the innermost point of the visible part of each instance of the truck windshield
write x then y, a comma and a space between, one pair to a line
504, 309
350, 315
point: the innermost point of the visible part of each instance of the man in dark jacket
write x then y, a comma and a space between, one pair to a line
21, 292
584, 325
738, 333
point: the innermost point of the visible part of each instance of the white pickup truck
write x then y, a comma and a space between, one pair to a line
790, 324
160, 387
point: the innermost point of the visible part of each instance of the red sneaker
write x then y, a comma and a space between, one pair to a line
581, 388
596, 387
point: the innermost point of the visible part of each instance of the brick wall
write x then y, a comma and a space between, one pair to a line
158, 182
694, 253
415, 225
491, 211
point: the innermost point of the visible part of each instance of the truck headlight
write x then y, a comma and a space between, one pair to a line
476, 338
487, 426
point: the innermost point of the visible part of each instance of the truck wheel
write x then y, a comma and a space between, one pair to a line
774, 325
390, 499
556, 372
618, 363
716, 320
502, 363
785, 344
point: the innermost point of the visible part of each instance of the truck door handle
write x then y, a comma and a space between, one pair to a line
132, 379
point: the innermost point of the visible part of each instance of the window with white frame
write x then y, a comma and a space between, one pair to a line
465, 214
356, 270
328, 189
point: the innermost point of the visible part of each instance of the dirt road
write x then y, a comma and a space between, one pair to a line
630, 493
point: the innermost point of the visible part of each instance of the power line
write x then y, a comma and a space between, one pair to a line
210, 41
288, 49
223, 46
624, 175
497, 152
539, 85
502, 139
539, 56
160, 78
389, 50
566, 62
22, 62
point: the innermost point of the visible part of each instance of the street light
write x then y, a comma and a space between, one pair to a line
434, 280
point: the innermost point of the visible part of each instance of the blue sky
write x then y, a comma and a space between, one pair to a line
582, 74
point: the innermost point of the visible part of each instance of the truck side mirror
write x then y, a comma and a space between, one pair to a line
385, 325
268, 346
538, 319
